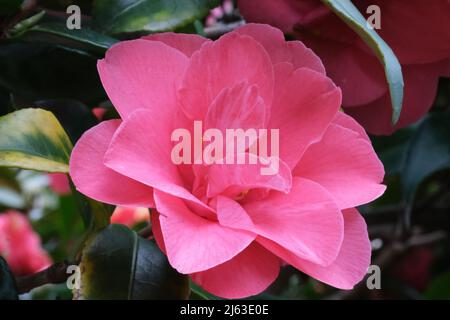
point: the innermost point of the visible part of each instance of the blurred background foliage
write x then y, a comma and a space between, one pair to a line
43, 64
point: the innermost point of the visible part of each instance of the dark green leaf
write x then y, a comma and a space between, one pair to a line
6, 105
351, 16
75, 117
118, 264
34, 139
26, 24
8, 289
61, 5
57, 33
36, 71
9, 7
428, 152
391, 150
439, 288
145, 16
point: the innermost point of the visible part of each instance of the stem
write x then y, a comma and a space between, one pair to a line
56, 273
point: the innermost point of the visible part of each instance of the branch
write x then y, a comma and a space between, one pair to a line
56, 273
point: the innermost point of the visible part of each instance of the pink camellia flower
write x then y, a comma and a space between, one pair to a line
227, 225
130, 216
418, 32
20, 245
59, 183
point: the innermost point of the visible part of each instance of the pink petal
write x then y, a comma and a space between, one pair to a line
142, 74
306, 222
236, 178
247, 274
236, 107
420, 91
194, 243
281, 14
353, 260
305, 102
345, 165
156, 230
59, 183
348, 122
279, 50
144, 141
417, 31
221, 64
92, 178
186, 43
357, 73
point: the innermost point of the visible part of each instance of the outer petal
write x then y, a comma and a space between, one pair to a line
357, 73
221, 64
279, 50
142, 74
420, 91
281, 14
186, 43
141, 149
92, 178
306, 222
193, 243
417, 31
305, 103
247, 274
353, 260
348, 122
344, 164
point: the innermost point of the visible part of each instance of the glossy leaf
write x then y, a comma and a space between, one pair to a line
393, 71
57, 33
428, 152
144, 16
34, 139
36, 71
118, 264
8, 289
74, 116
9, 7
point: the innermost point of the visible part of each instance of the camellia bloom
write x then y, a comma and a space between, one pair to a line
417, 31
130, 216
20, 245
59, 183
227, 225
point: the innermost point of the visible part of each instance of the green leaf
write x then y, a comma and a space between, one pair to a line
9, 7
145, 16
118, 264
74, 116
57, 33
393, 71
34, 139
26, 24
8, 289
439, 288
428, 152
36, 71
391, 150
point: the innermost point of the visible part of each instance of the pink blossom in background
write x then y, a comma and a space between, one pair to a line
99, 112
228, 226
20, 245
418, 32
59, 183
130, 216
